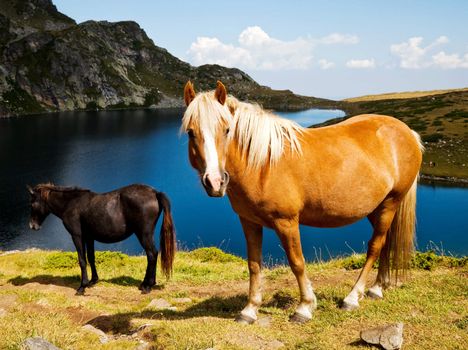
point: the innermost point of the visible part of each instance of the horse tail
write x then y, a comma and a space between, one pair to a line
399, 245
167, 239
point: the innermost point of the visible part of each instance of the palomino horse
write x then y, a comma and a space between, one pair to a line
281, 175
108, 218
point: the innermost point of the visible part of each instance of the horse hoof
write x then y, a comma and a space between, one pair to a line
374, 295
145, 289
80, 291
243, 319
298, 318
349, 307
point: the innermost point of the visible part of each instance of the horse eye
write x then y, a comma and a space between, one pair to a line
190, 133
227, 131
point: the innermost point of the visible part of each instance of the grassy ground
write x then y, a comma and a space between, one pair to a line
37, 295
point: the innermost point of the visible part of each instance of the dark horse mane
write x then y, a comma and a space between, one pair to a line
51, 187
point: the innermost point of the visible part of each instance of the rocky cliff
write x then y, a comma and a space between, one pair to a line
50, 63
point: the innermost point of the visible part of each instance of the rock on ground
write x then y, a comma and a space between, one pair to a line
103, 338
37, 343
390, 337
159, 303
182, 300
264, 321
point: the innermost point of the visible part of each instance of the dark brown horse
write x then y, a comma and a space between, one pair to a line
108, 218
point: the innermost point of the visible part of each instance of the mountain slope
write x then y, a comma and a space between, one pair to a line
49, 63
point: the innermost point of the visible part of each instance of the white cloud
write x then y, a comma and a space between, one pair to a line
338, 38
366, 63
414, 56
324, 64
450, 61
257, 50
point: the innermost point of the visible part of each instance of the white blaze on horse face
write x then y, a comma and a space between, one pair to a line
212, 162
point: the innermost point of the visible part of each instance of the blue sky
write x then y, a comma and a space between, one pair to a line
331, 49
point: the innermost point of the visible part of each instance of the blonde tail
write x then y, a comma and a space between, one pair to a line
401, 236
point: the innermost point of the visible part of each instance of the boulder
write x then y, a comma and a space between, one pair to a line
103, 338
390, 337
160, 304
37, 343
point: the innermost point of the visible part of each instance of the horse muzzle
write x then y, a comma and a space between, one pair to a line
215, 185
34, 226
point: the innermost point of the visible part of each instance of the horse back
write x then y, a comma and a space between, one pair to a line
114, 215
342, 174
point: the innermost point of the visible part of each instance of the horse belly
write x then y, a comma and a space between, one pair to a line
111, 237
343, 208
106, 228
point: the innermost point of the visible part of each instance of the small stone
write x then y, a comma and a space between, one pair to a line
181, 300
3, 312
142, 346
390, 337
37, 343
103, 338
43, 302
275, 344
160, 304
264, 321
142, 327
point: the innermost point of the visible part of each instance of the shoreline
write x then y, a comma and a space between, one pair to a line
451, 181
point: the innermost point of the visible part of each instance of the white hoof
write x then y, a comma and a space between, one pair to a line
375, 292
347, 306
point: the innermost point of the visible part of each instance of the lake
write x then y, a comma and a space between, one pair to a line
109, 149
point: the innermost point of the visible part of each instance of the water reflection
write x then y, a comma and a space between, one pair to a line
106, 150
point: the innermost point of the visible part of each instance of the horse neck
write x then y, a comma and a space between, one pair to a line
58, 201
236, 164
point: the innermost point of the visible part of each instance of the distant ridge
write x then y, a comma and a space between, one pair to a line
401, 95
50, 63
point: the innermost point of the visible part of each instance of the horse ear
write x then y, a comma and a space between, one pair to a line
189, 93
30, 190
220, 92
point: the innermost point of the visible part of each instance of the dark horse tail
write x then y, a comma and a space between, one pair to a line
167, 239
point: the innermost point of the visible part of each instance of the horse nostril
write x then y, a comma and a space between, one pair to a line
204, 180
225, 178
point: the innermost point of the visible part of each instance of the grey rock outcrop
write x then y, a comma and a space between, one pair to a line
50, 63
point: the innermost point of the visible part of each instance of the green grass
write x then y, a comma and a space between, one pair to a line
37, 291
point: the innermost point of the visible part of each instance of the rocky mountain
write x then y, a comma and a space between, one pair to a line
50, 63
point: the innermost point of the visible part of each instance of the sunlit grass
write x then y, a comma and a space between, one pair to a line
37, 292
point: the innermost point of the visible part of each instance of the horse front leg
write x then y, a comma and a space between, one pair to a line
288, 232
80, 249
254, 236
91, 260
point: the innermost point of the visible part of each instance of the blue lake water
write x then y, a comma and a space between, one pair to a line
106, 150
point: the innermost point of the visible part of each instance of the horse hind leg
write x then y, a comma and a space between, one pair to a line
383, 276
146, 238
381, 220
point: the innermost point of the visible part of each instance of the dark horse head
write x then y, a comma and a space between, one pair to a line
39, 207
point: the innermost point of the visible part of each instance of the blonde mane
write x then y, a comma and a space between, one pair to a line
262, 136
206, 113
